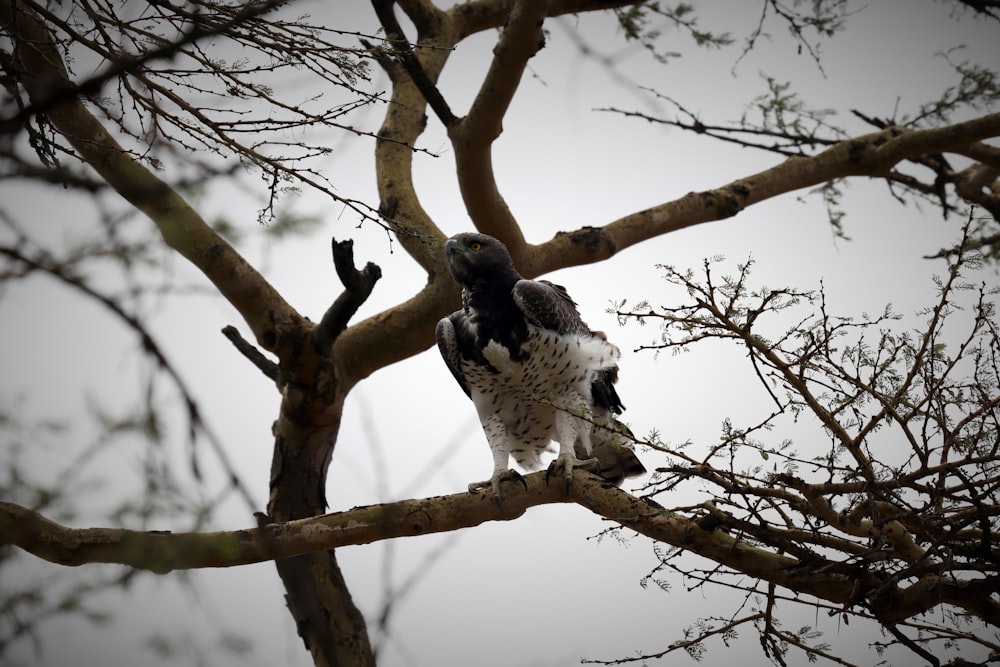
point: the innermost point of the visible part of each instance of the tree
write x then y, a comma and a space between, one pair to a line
915, 533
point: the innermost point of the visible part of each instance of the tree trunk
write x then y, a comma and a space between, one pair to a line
330, 624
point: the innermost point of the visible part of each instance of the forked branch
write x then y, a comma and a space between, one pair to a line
358, 286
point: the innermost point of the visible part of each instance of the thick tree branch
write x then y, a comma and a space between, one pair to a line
472, 137
164, 551
868, 155
521, 39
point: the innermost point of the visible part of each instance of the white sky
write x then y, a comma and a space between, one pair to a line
534, 591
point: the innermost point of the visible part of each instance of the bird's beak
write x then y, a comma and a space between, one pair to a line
454, 259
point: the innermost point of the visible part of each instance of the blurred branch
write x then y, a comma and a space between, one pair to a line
196, 424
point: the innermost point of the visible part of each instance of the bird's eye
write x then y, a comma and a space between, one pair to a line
475, 245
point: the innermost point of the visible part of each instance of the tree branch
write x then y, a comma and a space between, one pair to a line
164, 551
382, 336
261, 306
412, 65
127, 63
472, 137
265, 365
358, 287
867, 155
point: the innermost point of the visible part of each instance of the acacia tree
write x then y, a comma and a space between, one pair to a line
858, 534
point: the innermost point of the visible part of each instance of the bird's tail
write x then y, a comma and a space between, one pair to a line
613, 446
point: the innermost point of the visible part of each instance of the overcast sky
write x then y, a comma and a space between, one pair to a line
534, 591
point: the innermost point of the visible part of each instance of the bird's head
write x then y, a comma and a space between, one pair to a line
478, 258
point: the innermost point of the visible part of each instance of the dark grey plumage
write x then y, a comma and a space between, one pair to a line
532, 367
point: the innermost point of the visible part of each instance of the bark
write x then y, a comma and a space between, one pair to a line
330, 624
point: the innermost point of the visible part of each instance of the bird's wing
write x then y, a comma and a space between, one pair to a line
447, 340
549, 306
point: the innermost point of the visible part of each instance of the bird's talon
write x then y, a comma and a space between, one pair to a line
520, 478
592, 465
494, 484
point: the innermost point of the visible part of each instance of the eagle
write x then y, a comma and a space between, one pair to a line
534, 370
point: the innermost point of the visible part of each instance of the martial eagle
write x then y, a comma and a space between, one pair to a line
533, 368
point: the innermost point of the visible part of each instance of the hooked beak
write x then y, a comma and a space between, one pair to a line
453, 252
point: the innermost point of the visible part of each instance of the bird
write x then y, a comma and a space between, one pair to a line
536, 373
